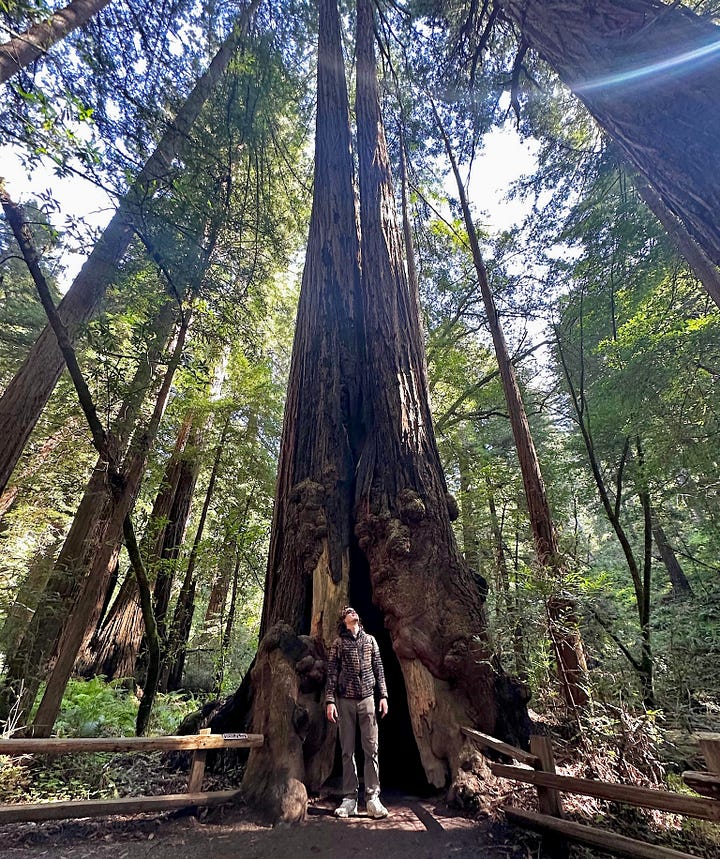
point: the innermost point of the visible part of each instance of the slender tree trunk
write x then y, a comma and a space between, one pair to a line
467, 510
640, 577
646, 648
502, 579
649, 72
185, 607
229, 622
174, 533
151, 632
25, 48
564, 633
681, 587
104, 547
27, 394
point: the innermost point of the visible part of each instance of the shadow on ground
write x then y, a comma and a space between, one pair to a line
415, 829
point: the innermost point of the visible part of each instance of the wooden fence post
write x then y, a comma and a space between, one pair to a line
549, 801
710, 748
197, 767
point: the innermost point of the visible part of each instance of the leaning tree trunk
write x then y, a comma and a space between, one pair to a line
562, 622
93, 542
102, 550
681, 587
649, 73
118, 643
24, 48
25, 397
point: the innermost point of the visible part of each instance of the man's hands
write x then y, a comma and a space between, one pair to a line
332, 714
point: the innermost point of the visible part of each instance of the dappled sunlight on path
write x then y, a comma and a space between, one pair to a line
415, 829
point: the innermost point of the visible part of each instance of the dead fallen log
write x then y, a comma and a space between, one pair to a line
600, 838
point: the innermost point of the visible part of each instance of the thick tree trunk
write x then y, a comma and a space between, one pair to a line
27, 394
701, 265
420, 582
114, 650
358, 454
26, 47
308, 571
649, 72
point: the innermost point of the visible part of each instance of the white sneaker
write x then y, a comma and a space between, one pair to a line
375, 808
347, 808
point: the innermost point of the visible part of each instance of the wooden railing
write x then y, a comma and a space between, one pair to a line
538, 769
199, 744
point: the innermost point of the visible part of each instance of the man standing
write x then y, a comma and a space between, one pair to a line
354, 669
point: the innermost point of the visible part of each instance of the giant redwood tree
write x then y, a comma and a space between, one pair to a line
649, 72
362, 510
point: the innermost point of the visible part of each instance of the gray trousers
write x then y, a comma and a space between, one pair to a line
350, 711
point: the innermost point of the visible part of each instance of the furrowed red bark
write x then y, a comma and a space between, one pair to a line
420, 582
309, 562
649, 72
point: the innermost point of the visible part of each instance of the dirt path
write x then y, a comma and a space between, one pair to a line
416, 829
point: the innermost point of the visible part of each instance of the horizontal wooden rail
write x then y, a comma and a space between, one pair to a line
499, 746
708, 784
79, 745
601, 838
98, 807
199, 744
645, 797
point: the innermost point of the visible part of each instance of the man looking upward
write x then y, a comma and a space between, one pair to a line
354, 669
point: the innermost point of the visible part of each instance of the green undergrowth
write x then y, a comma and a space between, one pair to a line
97, 708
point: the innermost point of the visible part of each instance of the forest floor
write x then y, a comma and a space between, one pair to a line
416, 829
